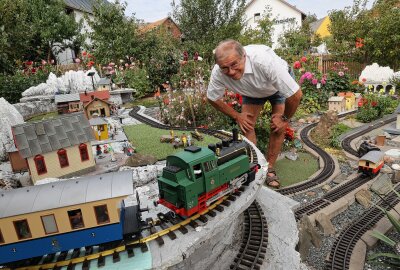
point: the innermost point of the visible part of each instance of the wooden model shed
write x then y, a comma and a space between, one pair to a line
337, 104
58, 147
68, 103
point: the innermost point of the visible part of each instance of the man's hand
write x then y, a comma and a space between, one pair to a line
277, 123
244, 121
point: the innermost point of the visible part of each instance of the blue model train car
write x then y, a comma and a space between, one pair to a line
64, 215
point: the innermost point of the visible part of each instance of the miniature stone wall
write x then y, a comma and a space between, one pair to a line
33, 108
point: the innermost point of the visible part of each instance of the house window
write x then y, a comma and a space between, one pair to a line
76, 219
40, 164
257, 17
22, 229
63, 158
94, 111
84, 152
1, 238
49, 224
100, 127
101, 214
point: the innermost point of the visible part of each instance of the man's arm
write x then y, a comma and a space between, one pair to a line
243, 119
292, 103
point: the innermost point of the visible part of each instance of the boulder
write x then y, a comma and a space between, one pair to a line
137, 160
364, 197
325, 224
307, 236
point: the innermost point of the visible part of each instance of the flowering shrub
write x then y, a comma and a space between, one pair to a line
312, 84
374, 106
339, 80
176, 110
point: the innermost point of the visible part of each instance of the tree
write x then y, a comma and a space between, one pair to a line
114, 35
377, 28
262, 34
30, 30
205, 23
298, 40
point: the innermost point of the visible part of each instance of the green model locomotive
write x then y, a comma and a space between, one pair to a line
198, 176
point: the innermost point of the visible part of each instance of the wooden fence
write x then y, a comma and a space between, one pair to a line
326, 62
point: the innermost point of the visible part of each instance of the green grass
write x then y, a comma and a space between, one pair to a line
146, 102
291, 172
43, 116
147, 140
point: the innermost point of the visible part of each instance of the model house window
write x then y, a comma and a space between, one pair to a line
63, 158
76, 219
257, 17
1, 238
49, 224
101, 214
93, 112
100, 127
84, 152
40, 164
22, 229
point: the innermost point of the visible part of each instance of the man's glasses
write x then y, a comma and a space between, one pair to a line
235, 65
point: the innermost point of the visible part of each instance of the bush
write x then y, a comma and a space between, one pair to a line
375, 106
338, 130
137, 79
12, 86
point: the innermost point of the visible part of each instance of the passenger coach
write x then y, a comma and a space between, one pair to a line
64, 215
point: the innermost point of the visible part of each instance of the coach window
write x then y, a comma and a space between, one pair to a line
209, 165
49, 224
63, 158
197, 171
40, 164
76, 219
1, 238
101, 214
84, 152
22, 229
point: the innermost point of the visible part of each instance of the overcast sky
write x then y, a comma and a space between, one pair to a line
153, 10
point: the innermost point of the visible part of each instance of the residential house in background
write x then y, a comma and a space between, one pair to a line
337, 104
58, 147
100, 128
78, 9
164, 24
68, 103
284, 14
321, 27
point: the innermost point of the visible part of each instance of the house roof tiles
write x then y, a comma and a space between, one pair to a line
66, 131
89, 96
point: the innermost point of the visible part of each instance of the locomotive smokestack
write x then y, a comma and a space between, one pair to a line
212, 147
235, 135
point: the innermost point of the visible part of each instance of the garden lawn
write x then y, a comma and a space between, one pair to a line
43, 116
291, 172
147, 140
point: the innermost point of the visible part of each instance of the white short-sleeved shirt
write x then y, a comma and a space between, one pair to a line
265, 73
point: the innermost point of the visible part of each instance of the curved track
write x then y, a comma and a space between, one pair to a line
254, 245
346, 142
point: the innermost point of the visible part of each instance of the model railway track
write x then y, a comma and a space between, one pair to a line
254, 245
330, 197
346, 142
166, 226
343, 247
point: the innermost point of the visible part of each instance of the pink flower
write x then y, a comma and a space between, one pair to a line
314, 81
341, 73
297, 65
308, 75
52, 61
364, 79
323, 81
77, 60
44, 62
126, 65
303, 59
111, 64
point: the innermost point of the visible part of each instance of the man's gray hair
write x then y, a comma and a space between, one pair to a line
228, 45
